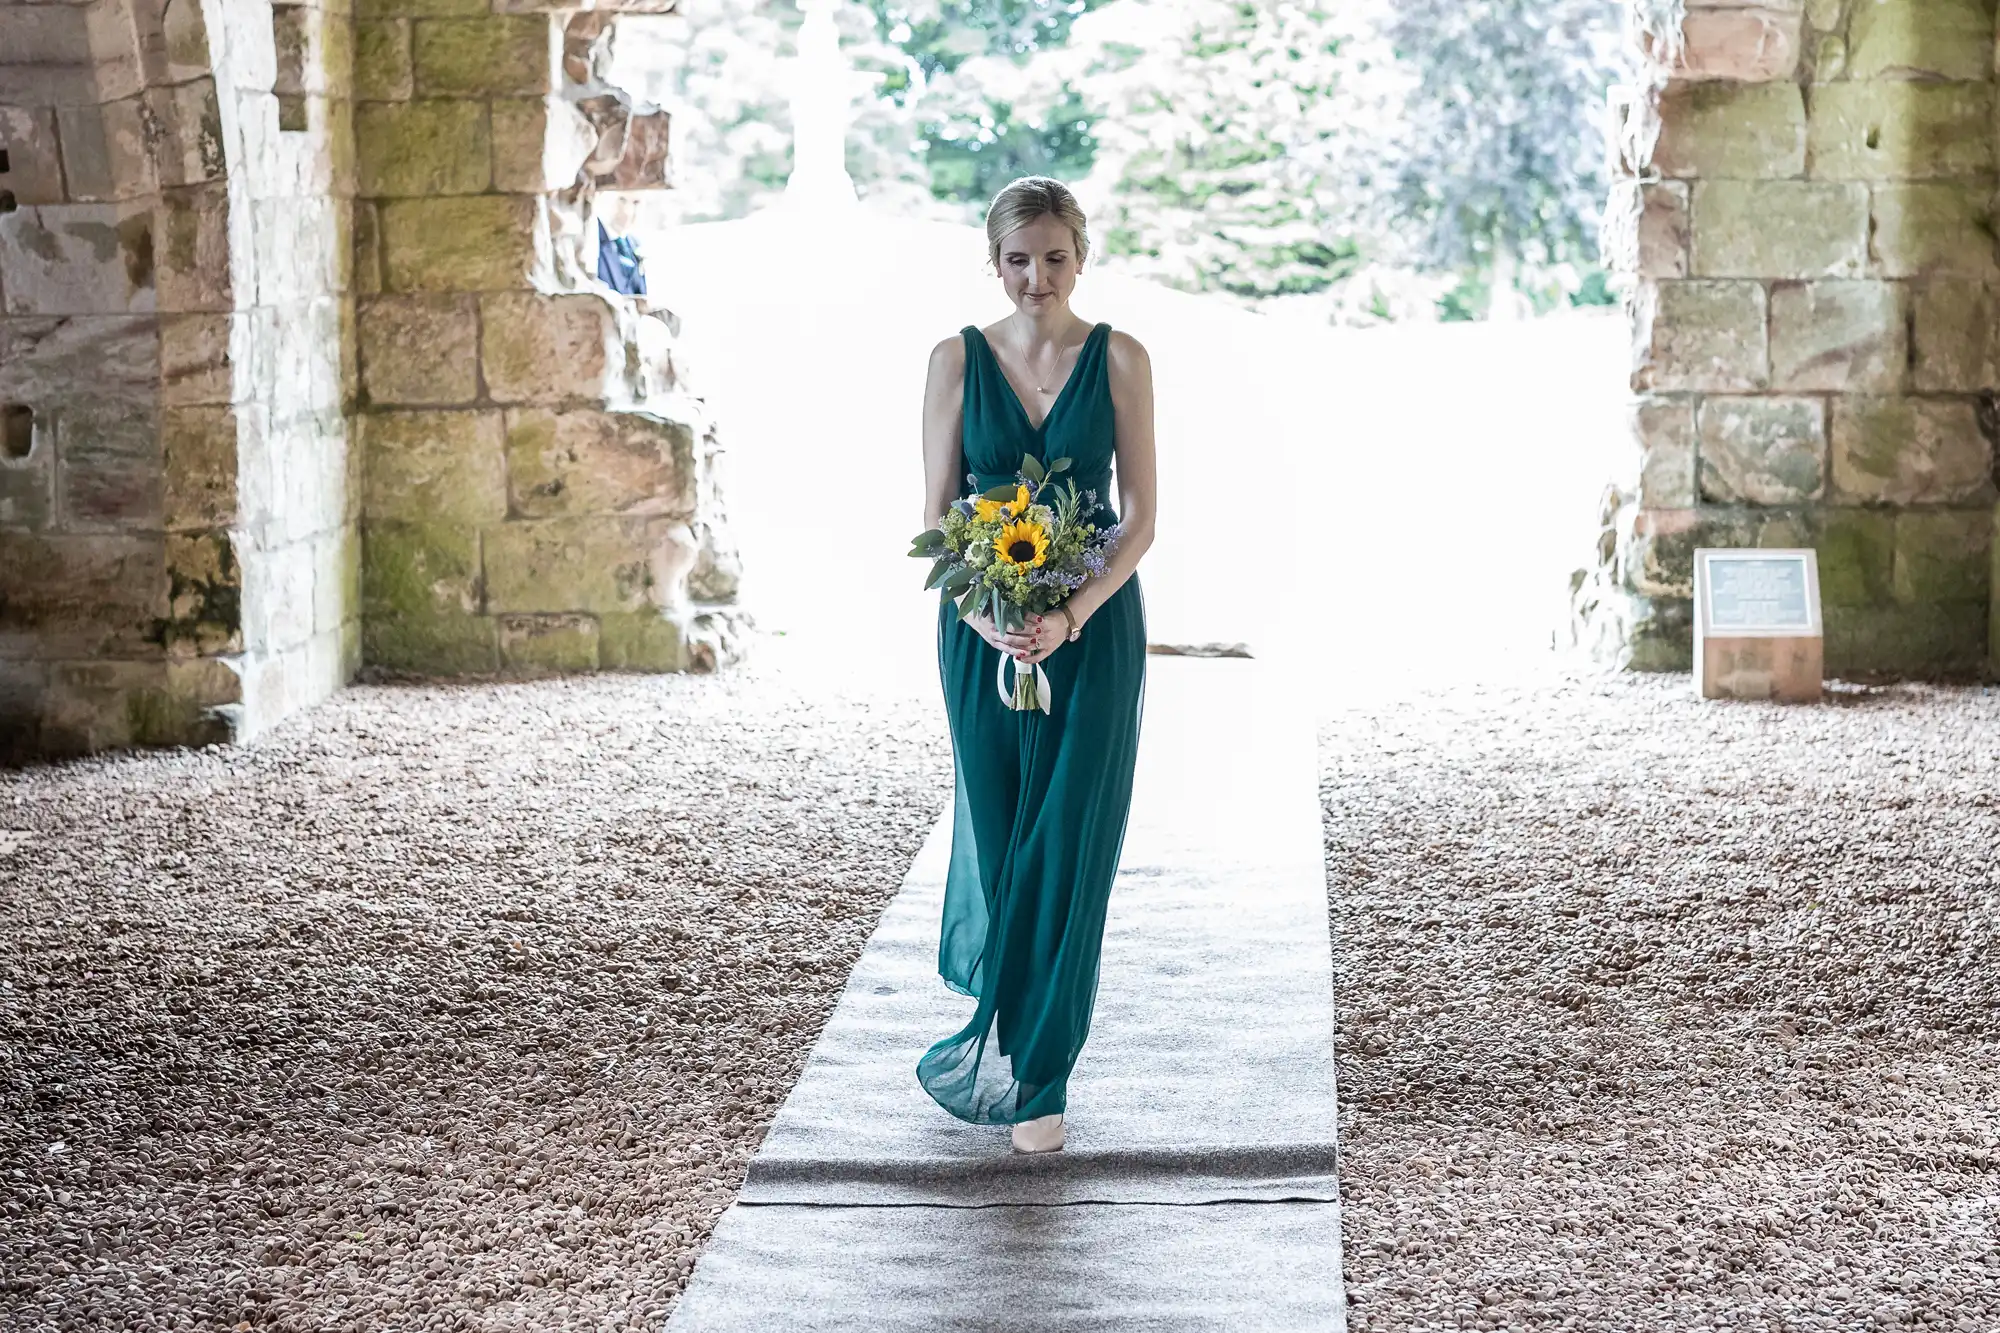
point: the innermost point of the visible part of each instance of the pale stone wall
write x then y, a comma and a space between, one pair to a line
114, 145
1809, 220
538, 488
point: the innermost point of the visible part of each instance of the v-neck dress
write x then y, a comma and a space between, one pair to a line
1041, 803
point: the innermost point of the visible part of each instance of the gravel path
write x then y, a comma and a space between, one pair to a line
464, 1007
1664, 1016
438, 1008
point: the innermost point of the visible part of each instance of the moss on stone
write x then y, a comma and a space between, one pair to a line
498, 55
382, 70
438, 146
1857, 556
641, 641
549, 643
1943, 556
470, 243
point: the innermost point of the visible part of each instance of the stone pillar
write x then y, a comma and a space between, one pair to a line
1807, 221
537, 491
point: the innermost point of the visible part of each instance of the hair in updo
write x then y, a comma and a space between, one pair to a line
1027, 199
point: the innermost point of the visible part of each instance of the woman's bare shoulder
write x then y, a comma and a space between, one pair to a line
1127, 354
948, 358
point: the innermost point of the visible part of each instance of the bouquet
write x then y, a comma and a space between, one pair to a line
1017, 550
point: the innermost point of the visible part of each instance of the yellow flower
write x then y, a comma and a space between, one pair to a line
986, 511
1024, 543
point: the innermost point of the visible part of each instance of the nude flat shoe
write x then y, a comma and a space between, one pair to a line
1042, 1134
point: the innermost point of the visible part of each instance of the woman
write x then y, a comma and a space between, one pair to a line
1042, 798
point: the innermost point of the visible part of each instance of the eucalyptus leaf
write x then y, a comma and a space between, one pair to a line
1060, 464
927, 538
1031, 468
938, 572
968, 603
1000, 494
957, 579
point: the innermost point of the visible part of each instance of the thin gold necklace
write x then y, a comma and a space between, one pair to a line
1061, 351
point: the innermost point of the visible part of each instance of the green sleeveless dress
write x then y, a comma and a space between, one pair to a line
1039, 815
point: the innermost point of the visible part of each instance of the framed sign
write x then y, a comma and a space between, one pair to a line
1760, 593
1757, 631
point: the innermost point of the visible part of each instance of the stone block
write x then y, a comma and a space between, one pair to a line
76, 259
641, 641
336, 578
191, 249
447, 644
549, 349
599, 564
1893, 130
107, 151
499, 55
34, 168
1935, 640
1664, 429
588, 462
1700, 336
434, 467
1926, 39
1956, 325
1743, 131
1839, 337
1857, 556
1935, 227
186, 123
548, 643
1944, 555
367, 272
110, 472
80, 359
465, 244
382, 68
56, 35
64, 596
27, 492
204, 596
1779, 229
419, 571
642, 161
299, 246
200, 456
195, 363
1748, 44
539, 144
278, 598
1910, 451
422, 148
1762, 451
419, 350
382, 9
1663, 230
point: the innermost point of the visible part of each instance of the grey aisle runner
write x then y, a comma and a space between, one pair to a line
1198, 1187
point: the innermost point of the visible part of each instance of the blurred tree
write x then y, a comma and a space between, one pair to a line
1496, 160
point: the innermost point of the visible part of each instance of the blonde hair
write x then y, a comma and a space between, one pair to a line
1022, 202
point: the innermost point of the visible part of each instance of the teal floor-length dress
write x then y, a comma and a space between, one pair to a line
1039, 815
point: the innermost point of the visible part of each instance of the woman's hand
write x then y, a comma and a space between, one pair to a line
1031, 643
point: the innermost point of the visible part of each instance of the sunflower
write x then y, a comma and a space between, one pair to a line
986, 511
1023, 543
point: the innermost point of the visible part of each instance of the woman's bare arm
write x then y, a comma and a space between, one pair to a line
944, 416
1132, 405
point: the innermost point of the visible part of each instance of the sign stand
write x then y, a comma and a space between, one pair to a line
1757, 631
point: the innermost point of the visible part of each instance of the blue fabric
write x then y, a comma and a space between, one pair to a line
619, 266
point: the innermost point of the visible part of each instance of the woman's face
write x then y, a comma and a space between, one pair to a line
1038, 265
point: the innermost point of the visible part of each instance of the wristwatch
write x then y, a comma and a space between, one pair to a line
1074, 628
